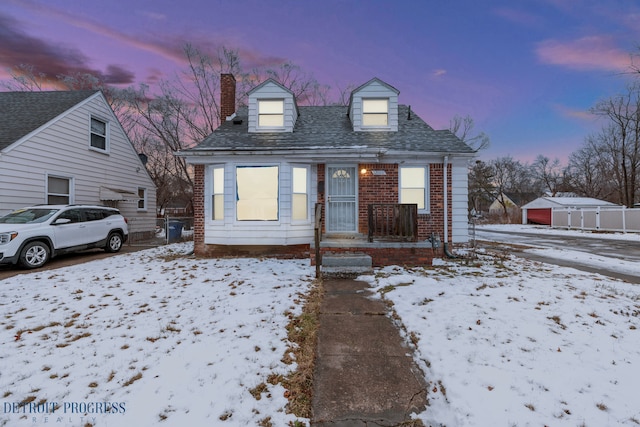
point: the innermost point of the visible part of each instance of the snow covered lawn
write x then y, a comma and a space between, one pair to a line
155, 337
515, 343
161, 338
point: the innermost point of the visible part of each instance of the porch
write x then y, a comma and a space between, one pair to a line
392, 238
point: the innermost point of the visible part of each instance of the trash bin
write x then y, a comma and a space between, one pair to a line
175, 231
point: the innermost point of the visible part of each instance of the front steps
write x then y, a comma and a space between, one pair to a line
345, 264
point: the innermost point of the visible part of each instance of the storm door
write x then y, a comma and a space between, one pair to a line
342, 199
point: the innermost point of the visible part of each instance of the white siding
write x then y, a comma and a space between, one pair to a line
272, 91
459, 202
284, 231
62, 148
374, 90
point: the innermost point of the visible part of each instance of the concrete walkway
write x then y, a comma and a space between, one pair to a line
365, 374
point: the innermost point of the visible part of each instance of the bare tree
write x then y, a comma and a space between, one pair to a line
462, 127
589, 171
549, 174
620, 140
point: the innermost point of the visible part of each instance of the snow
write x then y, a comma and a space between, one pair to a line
201, 333
501, 341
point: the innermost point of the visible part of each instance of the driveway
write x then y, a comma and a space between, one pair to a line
516, 243
66, 260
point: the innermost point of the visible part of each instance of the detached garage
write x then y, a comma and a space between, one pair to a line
540, 210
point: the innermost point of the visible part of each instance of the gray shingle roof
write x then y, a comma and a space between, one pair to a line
23, 112
329, 127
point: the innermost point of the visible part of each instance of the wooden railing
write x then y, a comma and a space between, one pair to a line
393, 222
317, 236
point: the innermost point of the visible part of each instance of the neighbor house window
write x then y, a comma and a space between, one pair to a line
98, 134
58, 190
142, 198
270, 113
413, 186
299, 201
375, 112
257, 193
217, 208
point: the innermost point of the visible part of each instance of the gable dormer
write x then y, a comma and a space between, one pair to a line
374, 107
272, 108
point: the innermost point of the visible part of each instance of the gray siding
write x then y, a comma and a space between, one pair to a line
459, 202
374, 90
272, 91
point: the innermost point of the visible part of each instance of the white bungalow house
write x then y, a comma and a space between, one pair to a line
68, 147
369, 177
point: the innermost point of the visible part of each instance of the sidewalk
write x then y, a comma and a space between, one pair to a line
365, 374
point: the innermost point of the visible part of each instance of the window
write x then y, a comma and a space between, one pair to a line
142, 199
73, 215
98, 134
257, 193
58, 190
413, 186
299, 200
217, 209
375, 112
270, 113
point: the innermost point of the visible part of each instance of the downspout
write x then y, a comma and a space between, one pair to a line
446, 210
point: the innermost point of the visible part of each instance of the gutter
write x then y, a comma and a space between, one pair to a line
445, 246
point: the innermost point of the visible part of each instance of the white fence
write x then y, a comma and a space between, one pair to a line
617, 218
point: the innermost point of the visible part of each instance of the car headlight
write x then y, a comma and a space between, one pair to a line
7, 237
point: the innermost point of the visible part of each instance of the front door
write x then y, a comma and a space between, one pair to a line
342, 199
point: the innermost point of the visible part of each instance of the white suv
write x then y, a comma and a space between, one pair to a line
31, 236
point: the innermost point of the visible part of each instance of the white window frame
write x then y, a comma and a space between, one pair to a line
375, 112
105, 136
278, 195
70, 196
142, 199
261, 106
220, 186
402, 186
307, 189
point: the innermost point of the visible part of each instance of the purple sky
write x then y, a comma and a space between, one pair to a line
526, 71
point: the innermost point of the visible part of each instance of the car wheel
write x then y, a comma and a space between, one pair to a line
34, 255
114, 242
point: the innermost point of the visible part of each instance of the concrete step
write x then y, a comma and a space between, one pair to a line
344, 264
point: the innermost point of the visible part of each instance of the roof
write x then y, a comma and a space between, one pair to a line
329, 127
567, 202
24, 112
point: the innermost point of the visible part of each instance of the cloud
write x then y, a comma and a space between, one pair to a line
586, 53
18, 48
518, 17
573, 113
439, 72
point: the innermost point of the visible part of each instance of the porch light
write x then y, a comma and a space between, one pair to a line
363, 171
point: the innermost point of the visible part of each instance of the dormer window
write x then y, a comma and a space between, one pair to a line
270, 113
375, 112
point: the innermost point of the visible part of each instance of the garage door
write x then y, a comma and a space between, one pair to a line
539, 216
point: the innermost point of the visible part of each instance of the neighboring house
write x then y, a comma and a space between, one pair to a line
370, 175
68, 147
540, 210
511, 201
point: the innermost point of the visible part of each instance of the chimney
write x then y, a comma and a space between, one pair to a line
227, 96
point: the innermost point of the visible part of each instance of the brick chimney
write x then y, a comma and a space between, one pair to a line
227, 96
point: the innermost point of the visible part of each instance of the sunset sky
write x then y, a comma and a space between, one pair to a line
526, 71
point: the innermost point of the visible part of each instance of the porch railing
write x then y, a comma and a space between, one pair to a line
393, 222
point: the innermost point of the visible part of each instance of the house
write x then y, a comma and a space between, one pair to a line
512, 202
540, 210
370, 177
68, 147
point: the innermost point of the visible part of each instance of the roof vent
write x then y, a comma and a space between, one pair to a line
237, 121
